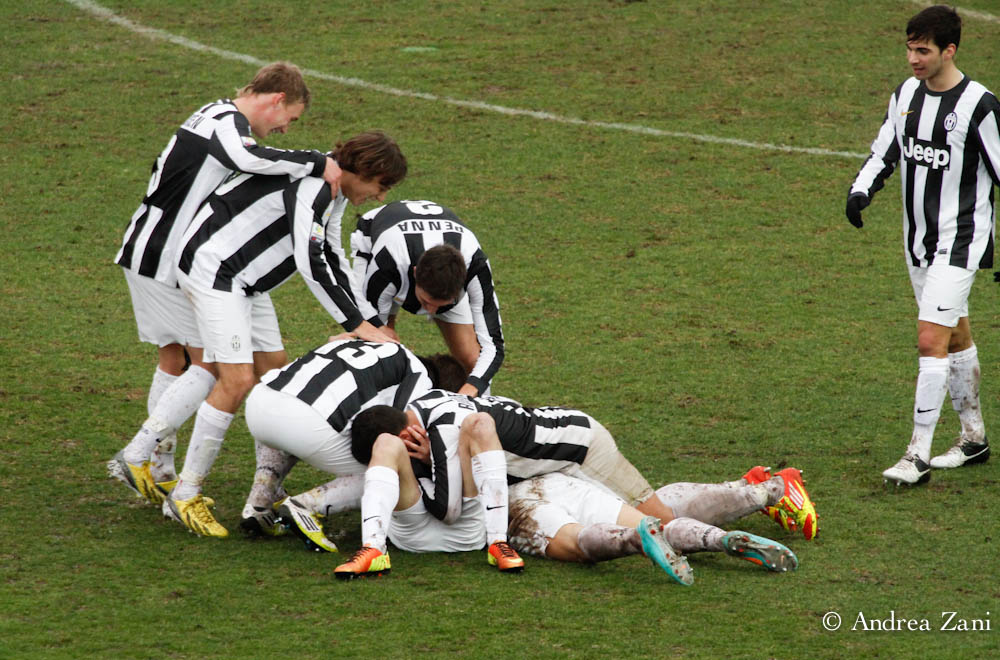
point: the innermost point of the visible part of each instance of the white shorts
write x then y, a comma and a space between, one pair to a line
942, 293
163, 313
606, 465
461, 313
285, 422
416, 530
542, 505
232, 326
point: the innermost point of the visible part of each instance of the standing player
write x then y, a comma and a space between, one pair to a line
943, 127
218, 139
252, 234
419, 256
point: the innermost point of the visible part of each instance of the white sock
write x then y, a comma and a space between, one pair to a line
161, 461
963, 383
489, 473
273, 465
173, 407
210, 426
381, 494
161, 381
603, 541
687, 535
716, 504
179, 401
341, 494
932, 385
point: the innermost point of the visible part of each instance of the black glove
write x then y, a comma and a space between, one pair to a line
856, 202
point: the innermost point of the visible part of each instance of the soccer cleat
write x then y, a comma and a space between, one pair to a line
962, 453
305, 524
656, 547
908, 471
757, 474
193, 513
258, 521
137, 477
366, 562
796, 504
504, 557
761, 551
166, 486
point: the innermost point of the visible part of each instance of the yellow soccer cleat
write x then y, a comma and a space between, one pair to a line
193, 513
366, 562
797, 505
305, 524
138, 478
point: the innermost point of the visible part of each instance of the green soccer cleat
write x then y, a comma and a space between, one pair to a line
761, 551
656, 547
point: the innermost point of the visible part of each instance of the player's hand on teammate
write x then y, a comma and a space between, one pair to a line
367, 332
855, 203
418, 445
332, 175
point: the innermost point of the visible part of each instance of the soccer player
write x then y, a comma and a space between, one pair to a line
570, 519
305, 409
252, 234
943, 130
218, 139
506, 440
418, 256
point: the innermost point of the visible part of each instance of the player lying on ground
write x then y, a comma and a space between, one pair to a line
570, 519
251, 235
418, 256
475, 444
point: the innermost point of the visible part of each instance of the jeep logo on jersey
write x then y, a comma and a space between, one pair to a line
922, 152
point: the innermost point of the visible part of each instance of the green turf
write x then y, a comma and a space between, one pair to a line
708, 302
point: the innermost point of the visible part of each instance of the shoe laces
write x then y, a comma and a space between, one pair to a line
360, 554
505, 550
199, 510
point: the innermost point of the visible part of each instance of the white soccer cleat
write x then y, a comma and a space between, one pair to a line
962, 453
908, 471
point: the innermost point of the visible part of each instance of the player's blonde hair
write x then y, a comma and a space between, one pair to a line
280, 77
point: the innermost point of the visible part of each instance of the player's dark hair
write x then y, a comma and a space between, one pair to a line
940, 24
369, 424
370, 155
280, 77
441, 272
446, 372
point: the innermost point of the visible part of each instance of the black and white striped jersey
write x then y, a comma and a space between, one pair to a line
948, 148
255, 232
214, 142
535, 440
342, 378
386, 246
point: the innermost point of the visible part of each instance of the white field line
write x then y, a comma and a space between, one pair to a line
106, 14
965, 13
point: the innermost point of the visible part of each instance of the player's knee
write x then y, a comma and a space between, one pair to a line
387, 450
480, 431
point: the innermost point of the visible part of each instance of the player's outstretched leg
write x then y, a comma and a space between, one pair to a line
305, 524
761, 551
366, 562
963, 452
656, 547
908, 471
504, 557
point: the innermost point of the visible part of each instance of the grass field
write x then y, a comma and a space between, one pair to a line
657, 265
